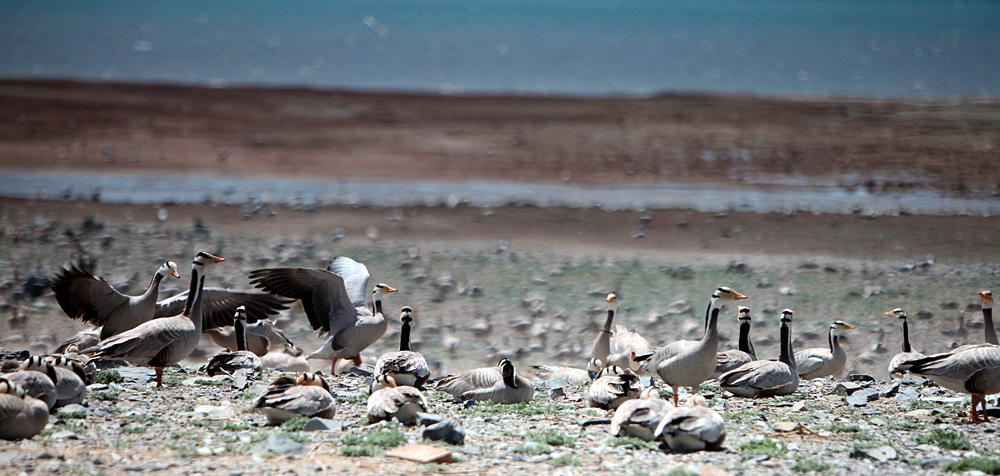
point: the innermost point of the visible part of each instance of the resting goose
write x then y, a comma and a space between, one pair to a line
571, 375
766, 378
639, 417
972, 369
601, 349
499, 384
71, 384
613, 386
228, 362
693, 427
625, 345
38, 379
83, 296
334, 300
21, 415
281, 359
733, 358
168, 340
687, 363
387, 401
907, 353
287, 397
406, 367
819, 362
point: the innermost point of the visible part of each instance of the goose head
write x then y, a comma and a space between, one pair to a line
203, 259
168, 269
10, 388
506, 369
306, 379
383, 381
650, 393
786, 316
406, 314
594, 367
840, 326
744, 314
726, 294
697, 400
986, 297
72, 349
38, 364
897, 313
381, 289
612, 300
241, 314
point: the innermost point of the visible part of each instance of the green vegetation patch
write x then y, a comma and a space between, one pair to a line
637, 443
533, 449
108, 377
843, 428
371, 442
132, 429
72, 415
763, 447
210, 383
565, 460
988, 466
949, 440
551, 438
105, 395
809, 465
295, 424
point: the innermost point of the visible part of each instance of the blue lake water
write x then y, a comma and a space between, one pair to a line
883, 49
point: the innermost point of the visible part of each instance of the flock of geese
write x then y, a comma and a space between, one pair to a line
147, 332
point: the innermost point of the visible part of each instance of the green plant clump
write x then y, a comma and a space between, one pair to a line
108, 377
949, 440
533, 449
988, 466
132, 429
72, 415
552, 438
565, 460
362, 450
763, 447
809, 465
842, 428
371, 443
105, 395
636, 443
295, 424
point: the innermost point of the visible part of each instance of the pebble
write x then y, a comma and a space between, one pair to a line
323, 424
278, 445
557, 382
213, 411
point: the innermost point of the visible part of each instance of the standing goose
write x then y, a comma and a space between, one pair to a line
228, 362
161, 342
70, 386
687, 363
971, 369
287, 397
626, 344
499, 384
261, 337
21, 415
601, 349
693, 427
639, 417
766, 378
733, 358
335, 302
405, 366
388, 401
907, 353
819, 362
93, 300
571, 375
38, 379
613, 386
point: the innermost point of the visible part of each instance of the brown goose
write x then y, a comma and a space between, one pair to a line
639, 417
733, 358
387, 401
83, 296
766, 378
688, 363
613, 386
406, 367
287, 397
228, 362
161, 342
907, 353
821, 362
21, 415
602, 344
499, 384
335, 303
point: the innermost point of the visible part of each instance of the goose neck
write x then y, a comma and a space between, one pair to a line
193, 291
154, 284
991, 332
906, 336
404, 337
785, 354
745, 344
831, 336
241, 334
609, 321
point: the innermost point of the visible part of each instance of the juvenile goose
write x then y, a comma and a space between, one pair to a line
287, 397
388, 401
766, 378
500, 384
613, 386
572, 375
83, 296
21, 415
819, 362
227, 362
639, 417
406, 367
38, 379
71, 384
161, 342
334, 300
601, 349
907, 353
733, 358
626, 344
693, 427
688, 363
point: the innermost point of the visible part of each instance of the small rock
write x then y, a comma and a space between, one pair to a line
862, 397
65, 435
204, 451
935, 463
428, 419
847, 388
449, 430
139, 375
907, 394
74, 408
860, 378
45, 455
278, 445
213, 411
98, 461
322, 424
557, 393
880, 454
786, 426
9, 456
557, 382
889, 390
423, 454
798, 406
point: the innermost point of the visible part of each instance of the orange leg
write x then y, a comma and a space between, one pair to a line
159, 377
975, 415
982, 398
333, 367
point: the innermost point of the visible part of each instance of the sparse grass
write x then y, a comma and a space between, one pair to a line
72, 415
551, 438
132, 429
171, 381
65, 426
949, 440
533, 449
636, 443
295, 424
296, 437
744, 415
435, 467
105, 395
707, 388
565, 460
180, 434
143, 419
219, 425
182, 450
353, 399
988, 466
809, 465
210, 383
363, 450
843, 428
763, 447
371, 442
521, 409
108, 377
246, 395
861, 437
922, 405
680, 472
904, 425
795, 397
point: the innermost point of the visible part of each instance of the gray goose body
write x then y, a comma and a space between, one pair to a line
766, 378
693, 427
973, 370
389, 401
601, 349
229, 362
613, 386
734, 358
499, 384
907, 353
639, 417
824, 362
37, 379
71, 386
406, 367
571, 375
287, 397
21, 415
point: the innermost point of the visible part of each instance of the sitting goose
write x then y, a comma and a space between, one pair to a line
907, 353
228, 362
625, 345
693, 427
71, 386
83, 296
688, 363
335, 303
499, 384
388, 401
733, 358
406, 367
21, 415
168, 340
601, 349
282, 360
287, 397
613, 386
766, 378
571, 375
38, 379
639, 417
819, 362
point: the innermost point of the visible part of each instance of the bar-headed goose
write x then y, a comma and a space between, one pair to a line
613, 386
733, 358
21, 415
165, 341
406, 367
227, 362
71, 384
287, 397
499, 384
601, 349
625, 345
38, 379
572, 375
991, 332
766, 378
971, 369
83, 296
335, 302
283, 360
821, 362
687, 363
639, 417
907, 353
693, 427
261, 335
387, 401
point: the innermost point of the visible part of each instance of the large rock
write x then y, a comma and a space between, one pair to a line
449, 430
861, 398
880, 454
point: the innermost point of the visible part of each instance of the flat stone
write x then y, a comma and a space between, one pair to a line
449, 430
322, 424
847, 388
557, 382
213, 411
419, 453
798, 406
889, 390
880, 454
907, 394
557, 393
935, 463
74, 408
10, 456
278, 445
862, 397
786, 426
96, 387
138, 375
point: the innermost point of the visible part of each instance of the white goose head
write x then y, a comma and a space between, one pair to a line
612, 300
986, 297
743, 314
168, 269
406, 314
897, 313
381, 289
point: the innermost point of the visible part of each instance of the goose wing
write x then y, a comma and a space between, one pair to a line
355, 276
83, 296
219, 305
759, 374
302, 399
959, 365
323, 294
146, 341
811, 360
486, 377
